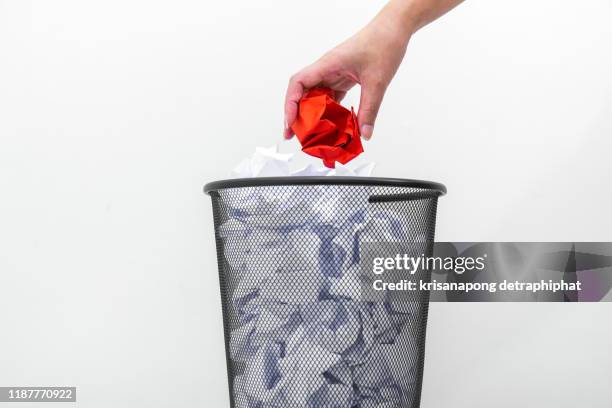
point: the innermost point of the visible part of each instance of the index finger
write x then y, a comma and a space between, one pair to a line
298, 83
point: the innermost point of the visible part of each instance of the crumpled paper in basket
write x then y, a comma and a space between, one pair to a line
302, 333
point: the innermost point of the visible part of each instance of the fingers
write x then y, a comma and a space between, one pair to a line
305, 79
339, 95
372, 93
295, 90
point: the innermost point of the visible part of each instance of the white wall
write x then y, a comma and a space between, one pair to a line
114, 114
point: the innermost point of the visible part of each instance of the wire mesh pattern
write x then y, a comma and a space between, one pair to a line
298, 330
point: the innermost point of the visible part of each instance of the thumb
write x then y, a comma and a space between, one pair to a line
369, 104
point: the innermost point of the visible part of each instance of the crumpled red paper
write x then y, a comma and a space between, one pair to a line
327, 129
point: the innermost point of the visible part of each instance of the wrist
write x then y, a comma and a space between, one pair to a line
394, 24
403, 17
413, 15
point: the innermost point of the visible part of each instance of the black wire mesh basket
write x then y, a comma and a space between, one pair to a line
299, 331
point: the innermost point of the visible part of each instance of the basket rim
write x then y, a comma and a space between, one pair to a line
322, 180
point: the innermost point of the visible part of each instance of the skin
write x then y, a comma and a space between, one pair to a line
370, 58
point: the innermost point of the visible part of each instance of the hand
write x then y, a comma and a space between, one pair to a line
370, 59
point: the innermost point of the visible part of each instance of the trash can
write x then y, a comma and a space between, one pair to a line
298, 330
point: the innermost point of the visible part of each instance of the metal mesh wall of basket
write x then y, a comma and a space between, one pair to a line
298, 330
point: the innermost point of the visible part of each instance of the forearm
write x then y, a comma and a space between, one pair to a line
406, 17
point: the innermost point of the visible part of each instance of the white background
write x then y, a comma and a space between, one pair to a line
114, 114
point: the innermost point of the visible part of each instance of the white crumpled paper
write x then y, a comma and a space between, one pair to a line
268, 162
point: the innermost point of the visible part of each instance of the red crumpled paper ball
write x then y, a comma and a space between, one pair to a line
327, 129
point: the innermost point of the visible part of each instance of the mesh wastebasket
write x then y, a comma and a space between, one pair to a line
299, 332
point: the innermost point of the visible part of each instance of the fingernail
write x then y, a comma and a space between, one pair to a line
366, 131
285, 129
